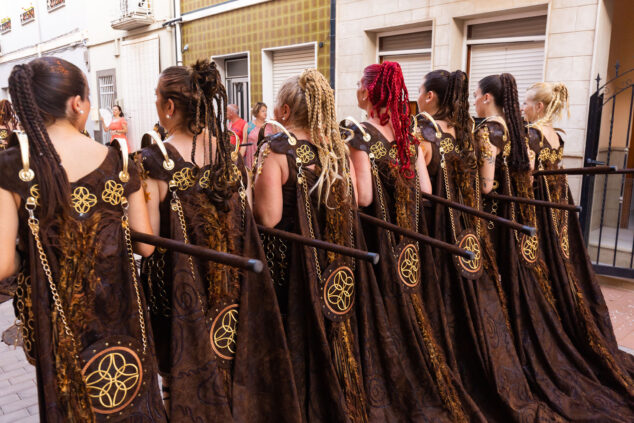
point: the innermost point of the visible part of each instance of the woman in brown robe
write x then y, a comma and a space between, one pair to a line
475, 302
557, 371
580, 303
345, 364
219, 333
391, 172
72, 202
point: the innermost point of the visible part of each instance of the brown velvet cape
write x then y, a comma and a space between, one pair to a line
438, 386
91, 271
482, 341
387, 391
220, 367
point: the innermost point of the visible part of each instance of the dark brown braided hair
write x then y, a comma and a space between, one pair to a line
503, 88
198, 93
7, 115
452, 90
39, 90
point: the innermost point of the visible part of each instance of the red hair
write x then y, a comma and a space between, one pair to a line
386, 88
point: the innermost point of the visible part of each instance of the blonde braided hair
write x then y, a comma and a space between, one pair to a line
312, 105
554, 97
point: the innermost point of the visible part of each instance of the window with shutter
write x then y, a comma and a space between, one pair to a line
513, 46
290, 62
413, 52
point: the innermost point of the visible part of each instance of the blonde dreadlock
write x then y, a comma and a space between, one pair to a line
554, 97
312, 105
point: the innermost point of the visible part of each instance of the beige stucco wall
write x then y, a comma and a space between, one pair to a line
576, 34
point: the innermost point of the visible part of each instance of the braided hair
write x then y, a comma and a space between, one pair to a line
387, 90
312, 104
7, 115
200, 97
452, 90
40, 90
503, 88
554, 97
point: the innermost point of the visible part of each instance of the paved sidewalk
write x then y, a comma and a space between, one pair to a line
18, 391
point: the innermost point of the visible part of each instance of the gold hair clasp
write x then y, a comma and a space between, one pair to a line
124, 175
366, 136
26, 174
291, 139
168, 164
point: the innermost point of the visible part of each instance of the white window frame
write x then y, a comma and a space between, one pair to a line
382, 34
498, 18
219, 60
267, 68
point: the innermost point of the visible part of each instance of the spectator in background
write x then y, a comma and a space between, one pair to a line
118, 128
259, 116
8, 123
236, 124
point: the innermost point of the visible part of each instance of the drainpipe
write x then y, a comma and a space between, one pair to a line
333, 30
177, 38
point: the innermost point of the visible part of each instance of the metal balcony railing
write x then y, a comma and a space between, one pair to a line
133, 14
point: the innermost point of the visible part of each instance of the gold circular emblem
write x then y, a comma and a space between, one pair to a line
83, 200
409, 265
184, 178
112, 192
446, 145
378, 149
113, 379
305, 154
204, 180
224, 332
393, 153
337, 291
469, 268
564, 243
528, 248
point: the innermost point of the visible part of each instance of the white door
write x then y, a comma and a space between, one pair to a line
139, 73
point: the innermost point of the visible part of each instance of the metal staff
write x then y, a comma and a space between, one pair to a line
596, 170
627, 171
329, 246
528, 230
229, 259
418, 237
540, 203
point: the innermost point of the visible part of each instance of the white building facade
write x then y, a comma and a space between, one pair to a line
536, 40
121, 45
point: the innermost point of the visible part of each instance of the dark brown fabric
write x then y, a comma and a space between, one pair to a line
483, 344
207, 383
558, 374
389, 396
89, 260
580, 303
438, 387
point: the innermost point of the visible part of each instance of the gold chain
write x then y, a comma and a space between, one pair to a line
379, 190
443, 166
309, 214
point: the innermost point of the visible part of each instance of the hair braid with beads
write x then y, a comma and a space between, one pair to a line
40, 90
387, 90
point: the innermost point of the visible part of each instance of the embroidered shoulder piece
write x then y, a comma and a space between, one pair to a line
497, 133
425, 128
302, 149
356, 135
156, 163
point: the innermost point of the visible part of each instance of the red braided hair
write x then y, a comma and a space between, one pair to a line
386, 88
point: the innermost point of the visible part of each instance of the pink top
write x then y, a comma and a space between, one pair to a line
117, 125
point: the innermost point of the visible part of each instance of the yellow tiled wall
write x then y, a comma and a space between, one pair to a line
266, 25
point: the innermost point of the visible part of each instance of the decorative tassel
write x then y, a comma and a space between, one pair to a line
444, 383
348, 371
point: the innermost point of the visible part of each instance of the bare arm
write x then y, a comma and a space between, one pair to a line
427, 152
362, 168
140, 221
423, 174
355, 182
124, 123
488, 153
267, 190
9, 259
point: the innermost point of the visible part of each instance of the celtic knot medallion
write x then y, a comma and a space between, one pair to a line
564, 243
305, 154
83, 200
113, 379
393, 153
408, 264
35, 193
378, 149
184, 178
204, 180
337, 292
224, 332
112, 192
554, 156
446, 145
544, 154
528, 248
469, 268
